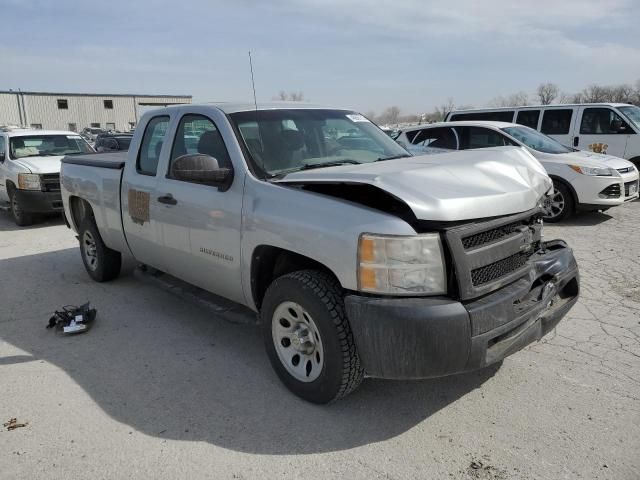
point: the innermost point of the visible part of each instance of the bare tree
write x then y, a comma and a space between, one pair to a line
514, 100
622, 94
390, 115
594, 94
442, 111
547, 93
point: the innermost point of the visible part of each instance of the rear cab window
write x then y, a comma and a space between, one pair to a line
152, 141
556, 121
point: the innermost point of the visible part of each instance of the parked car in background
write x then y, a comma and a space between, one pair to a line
582, 180
609, 128
112, 142
359, 258
91, 133
30, 169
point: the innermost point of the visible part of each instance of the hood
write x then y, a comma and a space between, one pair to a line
588, 159
40, 164
451, 186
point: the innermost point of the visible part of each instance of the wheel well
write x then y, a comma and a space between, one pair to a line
635, 161
10, 186
574, 195
269, 263
80, 209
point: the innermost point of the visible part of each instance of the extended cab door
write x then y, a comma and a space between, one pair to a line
140, 205
200, 224
602, 130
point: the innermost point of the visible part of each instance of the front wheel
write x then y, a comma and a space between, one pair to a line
559, 205
308, 337
22, 218
102, 263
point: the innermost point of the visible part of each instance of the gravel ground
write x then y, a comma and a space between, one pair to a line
162, 387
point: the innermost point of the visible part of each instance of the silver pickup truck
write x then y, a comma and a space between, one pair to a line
360, 259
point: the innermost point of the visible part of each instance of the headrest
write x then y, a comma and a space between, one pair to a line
292, 139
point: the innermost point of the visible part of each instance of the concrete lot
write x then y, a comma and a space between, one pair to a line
163, 388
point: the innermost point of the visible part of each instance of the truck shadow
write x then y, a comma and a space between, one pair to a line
168, 368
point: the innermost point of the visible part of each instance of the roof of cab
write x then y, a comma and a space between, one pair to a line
235, 107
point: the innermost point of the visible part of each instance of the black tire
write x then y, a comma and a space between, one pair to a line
636, 162
320, 295
22, 218
563, 195
105, 264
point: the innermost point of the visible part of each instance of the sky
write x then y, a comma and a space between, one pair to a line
361, 54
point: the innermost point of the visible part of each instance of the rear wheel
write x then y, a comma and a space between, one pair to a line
560, 204
102, 263
22, 218
308, 337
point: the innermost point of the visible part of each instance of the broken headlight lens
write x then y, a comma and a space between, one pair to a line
28, 181
396, 265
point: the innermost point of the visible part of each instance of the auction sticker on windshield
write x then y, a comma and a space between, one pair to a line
357, 118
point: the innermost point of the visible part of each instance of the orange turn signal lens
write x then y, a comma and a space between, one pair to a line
367, 278
367, 250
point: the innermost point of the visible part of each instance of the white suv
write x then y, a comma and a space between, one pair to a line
582, 180
30, 169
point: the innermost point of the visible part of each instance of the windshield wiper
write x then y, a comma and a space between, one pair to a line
337, 163
393, 157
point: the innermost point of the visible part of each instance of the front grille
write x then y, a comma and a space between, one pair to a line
612, 191
627, 188
499, 269
50, 182
490, 254
490, 236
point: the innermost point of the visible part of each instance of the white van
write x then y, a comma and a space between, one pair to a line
609, 128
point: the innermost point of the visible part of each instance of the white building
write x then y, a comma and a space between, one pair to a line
75, 111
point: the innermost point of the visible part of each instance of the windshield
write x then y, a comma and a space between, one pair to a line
632, 113
536, 140
283, 141
47, 145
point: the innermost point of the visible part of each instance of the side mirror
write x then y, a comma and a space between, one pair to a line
203, 169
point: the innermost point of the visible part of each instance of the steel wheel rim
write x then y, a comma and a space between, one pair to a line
90, 251
297, 341
554, 205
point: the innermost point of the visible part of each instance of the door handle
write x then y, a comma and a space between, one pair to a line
576, 141
168, 199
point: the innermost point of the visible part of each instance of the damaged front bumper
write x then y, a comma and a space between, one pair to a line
405, 338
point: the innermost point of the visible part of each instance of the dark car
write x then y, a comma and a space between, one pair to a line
108, 142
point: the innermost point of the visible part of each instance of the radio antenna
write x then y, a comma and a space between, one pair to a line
253, 83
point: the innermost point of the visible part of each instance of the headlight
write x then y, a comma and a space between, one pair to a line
397, 265
593, 171
28, 181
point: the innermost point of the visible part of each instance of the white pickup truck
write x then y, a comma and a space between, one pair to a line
30, 169
360, 259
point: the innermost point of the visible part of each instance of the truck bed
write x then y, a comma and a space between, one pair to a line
115, 160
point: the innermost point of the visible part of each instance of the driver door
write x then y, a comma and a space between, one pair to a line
200, 224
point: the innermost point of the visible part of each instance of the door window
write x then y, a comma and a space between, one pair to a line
2, 149
151, 147
436, 138
528, 118
556, 121
198, 134
478, 137
602, 120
